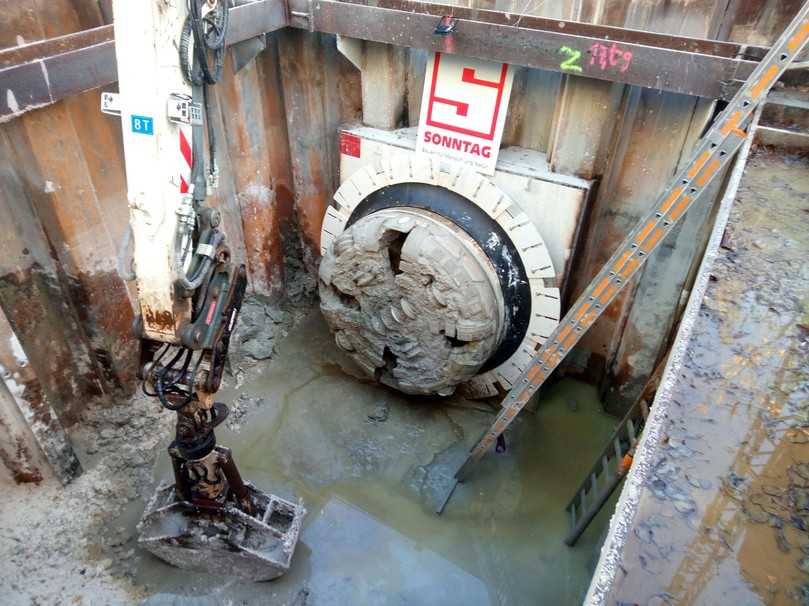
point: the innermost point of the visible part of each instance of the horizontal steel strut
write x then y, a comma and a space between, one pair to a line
44, 72
714, 151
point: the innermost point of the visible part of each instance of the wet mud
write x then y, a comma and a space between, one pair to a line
724, 517
352, 450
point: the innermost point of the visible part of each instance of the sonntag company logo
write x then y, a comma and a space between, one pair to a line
463, 109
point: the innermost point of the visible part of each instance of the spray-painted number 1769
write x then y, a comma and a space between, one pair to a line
602, 56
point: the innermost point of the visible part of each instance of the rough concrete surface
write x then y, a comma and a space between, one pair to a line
721, 500
57, 545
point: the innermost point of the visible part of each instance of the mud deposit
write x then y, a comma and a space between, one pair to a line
724, 515
303, 426
352, 450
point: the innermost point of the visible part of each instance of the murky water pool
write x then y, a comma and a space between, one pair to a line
349, 449
724, 515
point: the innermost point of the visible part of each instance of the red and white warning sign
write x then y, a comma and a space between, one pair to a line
463, 109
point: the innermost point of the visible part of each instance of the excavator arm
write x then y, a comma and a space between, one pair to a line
190, 291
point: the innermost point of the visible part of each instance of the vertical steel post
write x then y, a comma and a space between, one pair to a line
146, 43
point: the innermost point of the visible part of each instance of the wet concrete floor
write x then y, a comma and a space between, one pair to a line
724, 516
351, 450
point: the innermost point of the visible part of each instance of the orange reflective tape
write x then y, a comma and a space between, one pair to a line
712, 168
532, 372
608, 295
581, 311
731, 125
765, 81
798, 38
570, 341
601, 286
692, 172
671, 199
590, 318
538, 378
617, 267
680, 208
563, 333
645, 232
652, 241
630, 267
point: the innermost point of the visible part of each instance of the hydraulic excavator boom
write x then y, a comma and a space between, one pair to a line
189, 290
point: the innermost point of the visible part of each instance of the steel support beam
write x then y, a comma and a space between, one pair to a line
657, 67
620, 35
43, 72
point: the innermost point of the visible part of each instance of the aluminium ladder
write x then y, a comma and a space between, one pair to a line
592, 494
713, 152
590, 497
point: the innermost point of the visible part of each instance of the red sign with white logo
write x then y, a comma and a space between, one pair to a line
463, 109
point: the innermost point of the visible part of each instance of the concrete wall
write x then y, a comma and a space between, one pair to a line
63, 257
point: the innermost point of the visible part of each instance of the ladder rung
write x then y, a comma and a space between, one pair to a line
631, 431
588, 514
644, 409
619, 453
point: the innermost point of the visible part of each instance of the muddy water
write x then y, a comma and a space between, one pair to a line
725, 516
350, 450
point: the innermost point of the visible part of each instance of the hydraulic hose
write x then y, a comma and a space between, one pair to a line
198, 268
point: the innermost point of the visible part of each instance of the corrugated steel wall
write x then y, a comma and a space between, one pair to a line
63, 201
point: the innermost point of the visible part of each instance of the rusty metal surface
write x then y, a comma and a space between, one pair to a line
321, 92
35, 294
589, 127
651, 67
714, 510
260, 208
33, 441
54, 69
42, 73
719, 48
54, 46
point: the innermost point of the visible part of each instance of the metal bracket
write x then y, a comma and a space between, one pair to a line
446, 25
300, 14
182, 110
110, 103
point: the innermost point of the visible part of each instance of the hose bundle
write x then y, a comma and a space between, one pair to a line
207, 33
204, 33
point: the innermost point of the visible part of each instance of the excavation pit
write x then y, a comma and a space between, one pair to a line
353, 451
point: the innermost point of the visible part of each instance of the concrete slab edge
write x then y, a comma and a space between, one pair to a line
627, 506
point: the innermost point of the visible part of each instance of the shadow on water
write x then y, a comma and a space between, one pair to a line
351, 450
